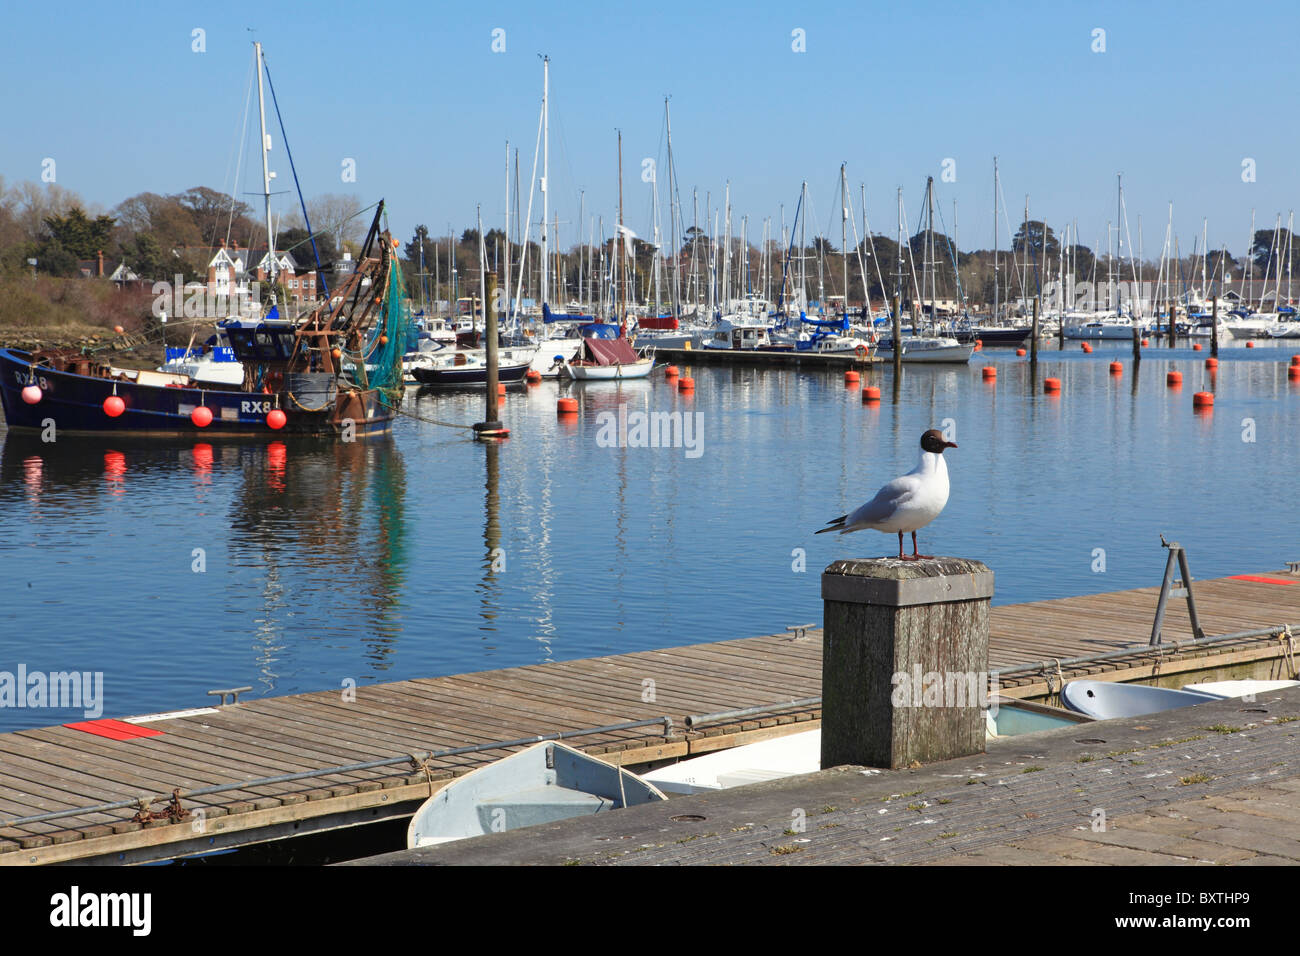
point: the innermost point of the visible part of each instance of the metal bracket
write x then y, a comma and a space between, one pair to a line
799, 631
233, 692
1175, 588
1293, 567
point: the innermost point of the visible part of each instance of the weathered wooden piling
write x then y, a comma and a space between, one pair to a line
905, 660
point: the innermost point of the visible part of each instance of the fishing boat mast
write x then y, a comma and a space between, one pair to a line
267, 175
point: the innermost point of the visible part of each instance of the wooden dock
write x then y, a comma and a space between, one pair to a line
783, 359
283, 766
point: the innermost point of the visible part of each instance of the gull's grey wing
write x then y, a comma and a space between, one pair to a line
881, 507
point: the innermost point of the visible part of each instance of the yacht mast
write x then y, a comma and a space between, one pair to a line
546, 166
995, 239
672, 216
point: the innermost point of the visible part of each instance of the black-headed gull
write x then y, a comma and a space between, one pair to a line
907, 503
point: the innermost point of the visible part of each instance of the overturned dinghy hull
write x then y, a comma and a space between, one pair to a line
542, 784
1106, 700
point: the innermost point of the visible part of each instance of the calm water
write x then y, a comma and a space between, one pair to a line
429, 554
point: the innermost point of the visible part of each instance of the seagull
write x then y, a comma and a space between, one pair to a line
907, 503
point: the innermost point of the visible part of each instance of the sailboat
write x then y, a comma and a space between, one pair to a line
295, 381
919, 348
604, 352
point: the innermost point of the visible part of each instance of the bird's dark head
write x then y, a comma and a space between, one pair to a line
933, 441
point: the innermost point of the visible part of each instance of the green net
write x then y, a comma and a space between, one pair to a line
392, 337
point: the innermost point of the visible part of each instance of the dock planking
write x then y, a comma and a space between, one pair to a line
52, 769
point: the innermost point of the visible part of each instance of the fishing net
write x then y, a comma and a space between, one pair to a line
392, 337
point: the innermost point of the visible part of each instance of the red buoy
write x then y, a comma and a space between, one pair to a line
1196, 346
1020, 351
979, 345
1211, 363
1086, 347
31, 394
1295, 360
1174, 378
871, 394
1202, 399
1051, 384
1293, 373
276, 419
1116, 368
1250, 345
686, 384
989, 372
114, 406
501, 388
201, 416
671, 371
1146, 342
532, 377
851, 377
567, 406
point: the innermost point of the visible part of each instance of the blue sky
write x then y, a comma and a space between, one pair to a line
413, 92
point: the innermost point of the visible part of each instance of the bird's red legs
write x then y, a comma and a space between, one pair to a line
901, 556
915, 556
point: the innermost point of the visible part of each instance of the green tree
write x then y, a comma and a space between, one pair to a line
78, 234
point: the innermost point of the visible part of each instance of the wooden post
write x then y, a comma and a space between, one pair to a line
1173, 315
1060, 330
905, 663
490, 427
1214, 329
1033, 333
898, 337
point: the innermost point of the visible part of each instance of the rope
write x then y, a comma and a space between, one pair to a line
293, 398
419, 764
428, 421
1285, 636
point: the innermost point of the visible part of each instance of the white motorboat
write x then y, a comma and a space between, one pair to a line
928, 349
1103, 326
542, 784
739, 333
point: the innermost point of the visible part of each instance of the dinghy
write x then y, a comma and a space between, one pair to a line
542, 784
802, 752
1240, 688
1106, 700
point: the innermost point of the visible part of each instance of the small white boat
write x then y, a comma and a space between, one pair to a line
541, 784
1106, 700
607, 359
766, 760
801, 753
1240, 688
